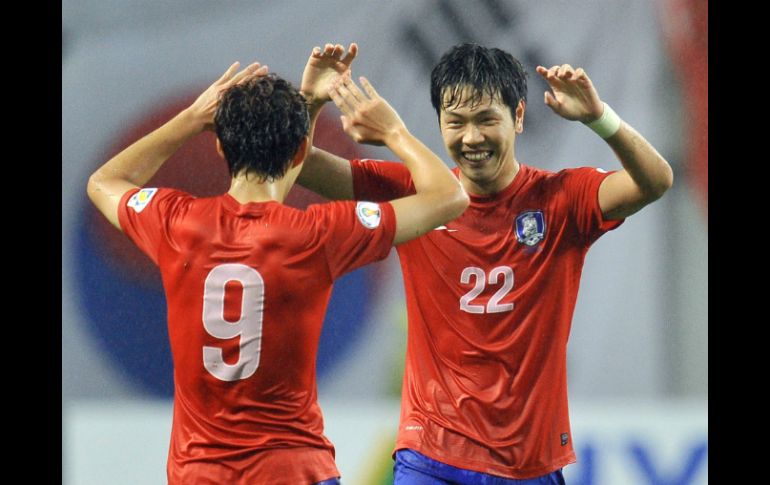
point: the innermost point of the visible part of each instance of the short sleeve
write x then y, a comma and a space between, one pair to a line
355, 233
581, 185
143, 215
378, 180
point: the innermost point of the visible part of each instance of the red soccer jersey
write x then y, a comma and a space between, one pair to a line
247, 288
490, 298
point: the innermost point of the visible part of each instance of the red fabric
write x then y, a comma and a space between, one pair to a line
488, 391
275, 265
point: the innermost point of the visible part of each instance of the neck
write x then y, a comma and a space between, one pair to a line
495, 184
247, 188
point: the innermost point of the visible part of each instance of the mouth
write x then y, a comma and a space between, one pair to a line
477, 157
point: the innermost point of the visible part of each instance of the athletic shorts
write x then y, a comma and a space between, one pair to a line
414, 468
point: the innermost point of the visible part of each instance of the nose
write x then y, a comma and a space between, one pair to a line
472, 135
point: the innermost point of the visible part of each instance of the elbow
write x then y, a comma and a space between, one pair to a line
93, 187
458, 201
664, 183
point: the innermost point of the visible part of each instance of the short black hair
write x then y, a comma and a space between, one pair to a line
260, 124
490, 71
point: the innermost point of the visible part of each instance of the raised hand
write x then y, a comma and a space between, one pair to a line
323, 68
205, 106
366, 117
574, 96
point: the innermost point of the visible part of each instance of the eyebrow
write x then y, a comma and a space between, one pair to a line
483, 112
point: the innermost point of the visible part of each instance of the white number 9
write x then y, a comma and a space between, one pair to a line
248, 326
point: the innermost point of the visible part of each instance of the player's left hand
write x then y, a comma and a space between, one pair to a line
366, 116
573, 95
204, 108
323, 68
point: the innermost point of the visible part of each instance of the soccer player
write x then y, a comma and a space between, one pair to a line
247, 279
490, 295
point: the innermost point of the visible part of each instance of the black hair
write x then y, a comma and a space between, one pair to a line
260, 124
489, 71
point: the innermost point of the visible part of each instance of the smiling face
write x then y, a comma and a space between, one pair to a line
479, 135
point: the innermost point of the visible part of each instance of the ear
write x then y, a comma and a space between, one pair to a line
302, 152
518, 123
219, 149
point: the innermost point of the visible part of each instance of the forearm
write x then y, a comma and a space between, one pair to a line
135, 166
439, 195
141, 160
327, 174
324, 173
428, 171
646, 167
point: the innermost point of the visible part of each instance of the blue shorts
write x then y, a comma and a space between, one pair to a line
414, 468
331, 481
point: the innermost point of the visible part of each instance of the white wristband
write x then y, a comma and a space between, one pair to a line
608, 123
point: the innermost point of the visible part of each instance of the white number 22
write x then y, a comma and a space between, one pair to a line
493, 305
248, 326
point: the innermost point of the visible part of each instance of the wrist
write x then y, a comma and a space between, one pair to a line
396, 136
193, 121
607, 124
311, 100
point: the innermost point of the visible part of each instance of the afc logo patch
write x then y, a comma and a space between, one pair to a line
530, 227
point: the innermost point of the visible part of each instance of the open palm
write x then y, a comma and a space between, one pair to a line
573, 95
323, 68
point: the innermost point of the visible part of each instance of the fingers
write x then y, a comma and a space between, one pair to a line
335, 51
565, 71
550, 100
228, 73
250, 70
346, 91
347, 96
353, 90
340, 102
562, 73
368, 87
352, 53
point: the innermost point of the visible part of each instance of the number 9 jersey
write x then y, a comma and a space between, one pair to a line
490, 298
247, 286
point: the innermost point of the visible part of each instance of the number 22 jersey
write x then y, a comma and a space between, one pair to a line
247, 286
490, 298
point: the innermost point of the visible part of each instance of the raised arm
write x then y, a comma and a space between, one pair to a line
135, 166
646, 175
322, 172
368, 118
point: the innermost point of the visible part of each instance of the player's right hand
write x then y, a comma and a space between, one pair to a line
366, 116
204, 108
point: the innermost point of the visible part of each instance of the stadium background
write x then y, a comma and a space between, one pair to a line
638, 368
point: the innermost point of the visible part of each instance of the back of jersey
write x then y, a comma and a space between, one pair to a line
247, 287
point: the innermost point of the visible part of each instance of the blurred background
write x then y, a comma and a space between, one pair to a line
638, 352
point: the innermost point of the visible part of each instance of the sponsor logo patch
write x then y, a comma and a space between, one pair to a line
530, 227
139, 200
369, 214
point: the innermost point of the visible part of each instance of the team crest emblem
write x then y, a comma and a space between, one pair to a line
369, 214
139, 200
530, 227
